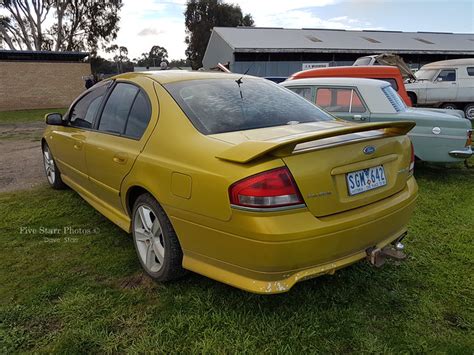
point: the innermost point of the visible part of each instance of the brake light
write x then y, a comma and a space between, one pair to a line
412, 160
469, 138
273, 188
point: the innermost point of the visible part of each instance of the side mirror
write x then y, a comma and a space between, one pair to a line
55, 119
439, 79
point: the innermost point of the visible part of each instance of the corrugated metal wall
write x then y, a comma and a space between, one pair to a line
265, 69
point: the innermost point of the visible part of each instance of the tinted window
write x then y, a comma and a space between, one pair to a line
219, 105
447, 75
304, 92
116, 110
470, 71
339, 100
139, 116
84, 111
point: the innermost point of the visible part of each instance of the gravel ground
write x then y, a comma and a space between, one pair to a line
21, 162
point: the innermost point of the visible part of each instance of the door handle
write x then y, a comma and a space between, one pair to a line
359, 118
120, 158
78, 145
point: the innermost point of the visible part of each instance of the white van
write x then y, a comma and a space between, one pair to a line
446, 84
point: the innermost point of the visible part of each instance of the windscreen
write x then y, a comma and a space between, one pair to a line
425, 74
227, 105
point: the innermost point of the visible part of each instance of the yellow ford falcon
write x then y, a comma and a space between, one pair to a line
233, 177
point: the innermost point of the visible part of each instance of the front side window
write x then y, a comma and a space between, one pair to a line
339, 100
118, 106
447, 75
85, 109
230, 104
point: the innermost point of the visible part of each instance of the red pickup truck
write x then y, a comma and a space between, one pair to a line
380, 72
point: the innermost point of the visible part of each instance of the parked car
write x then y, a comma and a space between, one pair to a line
390, 74
445, 84
386, 73
437, 137
233, 177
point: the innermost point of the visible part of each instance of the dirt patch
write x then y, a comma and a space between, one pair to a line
21, 161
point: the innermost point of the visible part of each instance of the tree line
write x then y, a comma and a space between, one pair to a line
84, 25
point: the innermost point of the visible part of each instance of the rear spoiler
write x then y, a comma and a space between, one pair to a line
247, 151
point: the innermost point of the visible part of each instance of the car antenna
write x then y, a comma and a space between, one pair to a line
239, 81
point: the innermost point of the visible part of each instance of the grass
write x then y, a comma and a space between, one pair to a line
22, 116
69, 293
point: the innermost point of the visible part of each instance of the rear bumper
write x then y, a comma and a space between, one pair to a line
462, 153
269, 253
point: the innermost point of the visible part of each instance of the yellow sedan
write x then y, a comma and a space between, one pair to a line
233, 177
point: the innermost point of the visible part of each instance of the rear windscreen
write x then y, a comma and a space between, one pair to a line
227, 105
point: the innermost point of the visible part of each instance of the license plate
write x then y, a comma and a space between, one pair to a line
365, 180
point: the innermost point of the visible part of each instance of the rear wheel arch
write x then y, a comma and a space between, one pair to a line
132, 194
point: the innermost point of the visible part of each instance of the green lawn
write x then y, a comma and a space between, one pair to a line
81, 293
27, 115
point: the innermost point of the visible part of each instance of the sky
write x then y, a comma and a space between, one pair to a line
145, 23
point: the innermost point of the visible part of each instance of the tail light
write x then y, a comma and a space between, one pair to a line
270, 189
469, 138
412, 161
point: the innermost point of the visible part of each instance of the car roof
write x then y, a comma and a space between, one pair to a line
447, 63
336, 81
170, 76
361, 70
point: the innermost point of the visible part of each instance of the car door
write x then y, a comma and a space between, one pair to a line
342, 102
68, 141
112, 149
444, 88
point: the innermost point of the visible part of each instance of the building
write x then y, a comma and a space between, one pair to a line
40, 79
281, 52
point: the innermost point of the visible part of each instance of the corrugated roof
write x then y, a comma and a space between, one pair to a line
252, 39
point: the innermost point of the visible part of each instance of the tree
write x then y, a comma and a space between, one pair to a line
153, 58
120, 57
75, 24
201, 16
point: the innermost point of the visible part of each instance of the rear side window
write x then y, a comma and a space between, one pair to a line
395, 99
139, 116
470, 71
84, 111
447, 75
339, 100
226, 105
118, 106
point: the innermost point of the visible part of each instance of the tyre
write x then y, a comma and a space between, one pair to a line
51, 169
449, 106
469, 111
155, 240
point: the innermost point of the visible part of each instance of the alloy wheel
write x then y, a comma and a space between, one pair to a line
49, 165
149, 238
